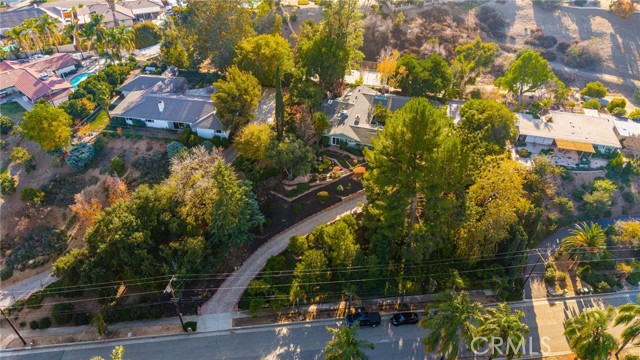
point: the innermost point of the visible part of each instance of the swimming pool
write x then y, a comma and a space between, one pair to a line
79, 78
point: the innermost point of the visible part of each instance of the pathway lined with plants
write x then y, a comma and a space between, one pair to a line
230, 292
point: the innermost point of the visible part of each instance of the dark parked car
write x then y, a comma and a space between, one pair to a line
364, 319
404, 318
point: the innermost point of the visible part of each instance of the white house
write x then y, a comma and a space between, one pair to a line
569, 131
171, 111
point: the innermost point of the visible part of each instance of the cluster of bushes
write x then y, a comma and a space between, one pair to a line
550, 273
36, 249
152, 168
61, 190
44, 323
5, 125
32, 195
62, 313
537, 39
491, 22
141, 311
8, 183
253, 171
582, 55
601, 283
617, 107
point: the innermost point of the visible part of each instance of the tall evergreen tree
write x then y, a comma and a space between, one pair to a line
279, 105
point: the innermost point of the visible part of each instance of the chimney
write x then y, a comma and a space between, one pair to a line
161, 105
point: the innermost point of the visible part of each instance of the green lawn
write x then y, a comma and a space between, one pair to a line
13, 110
97, 125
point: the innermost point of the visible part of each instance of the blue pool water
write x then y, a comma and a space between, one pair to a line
79, 78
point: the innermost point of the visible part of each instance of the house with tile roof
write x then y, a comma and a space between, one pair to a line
144, 10
40, 78
352, 119
125, 16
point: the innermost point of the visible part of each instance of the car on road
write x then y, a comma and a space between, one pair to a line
372, 319
404, 318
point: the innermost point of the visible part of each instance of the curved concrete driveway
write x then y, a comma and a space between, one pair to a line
226, 298
549, 246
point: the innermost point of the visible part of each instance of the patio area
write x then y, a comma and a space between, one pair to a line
566, 158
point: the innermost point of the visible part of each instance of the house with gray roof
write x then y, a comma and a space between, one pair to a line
171, 111
352, 117
13, 18
154, 83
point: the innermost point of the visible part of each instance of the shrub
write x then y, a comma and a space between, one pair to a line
117, 166
207, 145
592, 104
358, 172
491, 22
190, 325
619, 112
323, 196
632, 357
61, 313
549, 55
636, 96
5, 125
32, 195
82, 318
339, 189
80, 156
623, 8
563, 47
629, 197
34, 301
550, 274
294, 16
6, 273
603, 287
44, 323
19, 155
540, 40
174, 148
33, 324
99, 144
561, 277
594, 89
7, 184
583, 55
78, 109
524, 153
23, 324
153, 168
635, 114
616, 103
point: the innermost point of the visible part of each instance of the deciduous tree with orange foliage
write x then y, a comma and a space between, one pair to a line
87, 211
388, 62
623, 8
117, 189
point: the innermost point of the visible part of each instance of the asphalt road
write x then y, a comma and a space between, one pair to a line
306, 341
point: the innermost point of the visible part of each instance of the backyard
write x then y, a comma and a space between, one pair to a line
12, 110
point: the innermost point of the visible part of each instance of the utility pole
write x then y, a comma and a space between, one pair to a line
533, 268
13, 326
174, 300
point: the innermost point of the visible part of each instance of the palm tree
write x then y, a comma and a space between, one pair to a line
48, 30
453, 320
94, 31
73, 31
19, 39
344, 345
588, 336
501, 323
32, 33
628, 315
587, 243
112, 7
